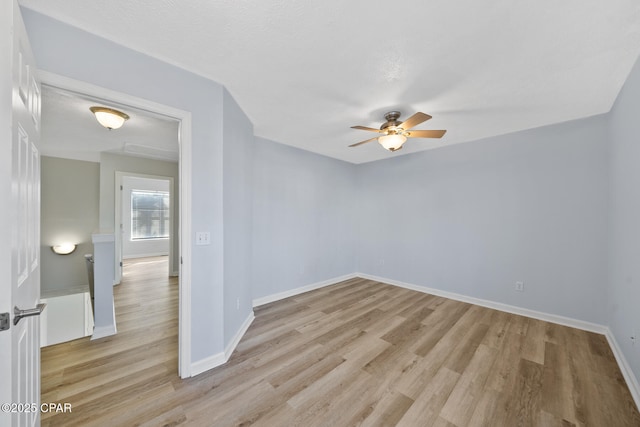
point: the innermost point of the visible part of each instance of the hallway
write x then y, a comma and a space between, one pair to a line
97, 377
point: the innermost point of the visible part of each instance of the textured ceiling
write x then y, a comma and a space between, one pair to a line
304, 72
70, 130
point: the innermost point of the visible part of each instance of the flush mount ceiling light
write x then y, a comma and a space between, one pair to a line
109, 118
63, 248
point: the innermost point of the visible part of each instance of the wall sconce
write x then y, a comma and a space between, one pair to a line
109, 118
64, 248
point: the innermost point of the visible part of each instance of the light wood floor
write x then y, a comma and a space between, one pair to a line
355, 353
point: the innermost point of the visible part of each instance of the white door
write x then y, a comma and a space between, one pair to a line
19, 222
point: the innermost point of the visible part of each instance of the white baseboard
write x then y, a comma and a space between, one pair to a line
292, 292
207, 363
547, 317
103, 331
221, 358
627, 373
231, 346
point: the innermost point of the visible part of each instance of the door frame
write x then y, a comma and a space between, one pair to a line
119, 212
185, 167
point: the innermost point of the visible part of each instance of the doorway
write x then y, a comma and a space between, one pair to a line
182, 233
145, 217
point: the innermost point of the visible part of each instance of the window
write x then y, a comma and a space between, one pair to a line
149, 215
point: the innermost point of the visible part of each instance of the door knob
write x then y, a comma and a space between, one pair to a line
19, 314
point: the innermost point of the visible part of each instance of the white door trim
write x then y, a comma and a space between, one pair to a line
184, 228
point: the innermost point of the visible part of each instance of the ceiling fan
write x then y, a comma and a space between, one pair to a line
395, 133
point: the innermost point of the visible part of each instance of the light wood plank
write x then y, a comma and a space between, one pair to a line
355, 353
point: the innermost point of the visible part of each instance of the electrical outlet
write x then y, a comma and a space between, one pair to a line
237, 303
520, 286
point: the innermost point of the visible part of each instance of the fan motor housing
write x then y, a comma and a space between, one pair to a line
392, 119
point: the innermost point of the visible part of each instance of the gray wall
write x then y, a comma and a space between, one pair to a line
68, 51
238, 156
112, 163
303, 229
146, 247
69, 213
477, 217
624, 249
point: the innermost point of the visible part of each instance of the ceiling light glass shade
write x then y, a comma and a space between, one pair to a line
392, 142
109, 118
64, 248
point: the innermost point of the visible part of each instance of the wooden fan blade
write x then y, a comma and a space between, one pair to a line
363, 142
415, 120
366, 128
426, 133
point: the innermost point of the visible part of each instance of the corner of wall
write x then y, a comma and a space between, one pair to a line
221, 358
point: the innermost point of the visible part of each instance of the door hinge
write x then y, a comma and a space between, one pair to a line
5, 323
180, 260
121, 188
120, 263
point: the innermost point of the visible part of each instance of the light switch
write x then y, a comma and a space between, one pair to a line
203, 238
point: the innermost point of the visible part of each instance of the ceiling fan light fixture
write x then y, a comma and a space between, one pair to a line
392, 142
395, 133
109, 118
